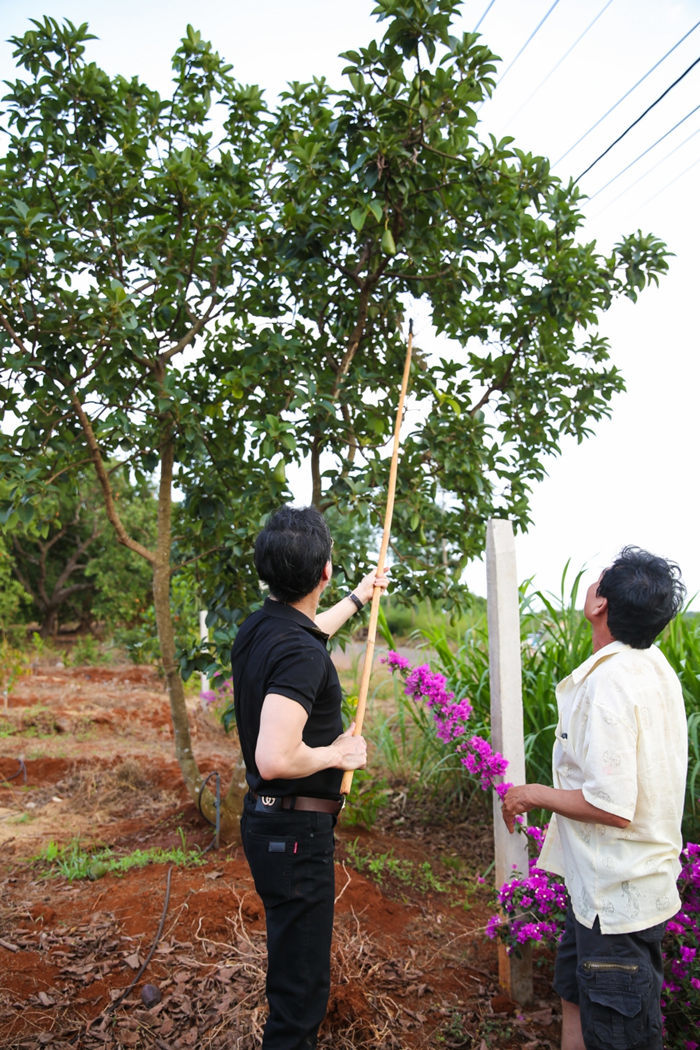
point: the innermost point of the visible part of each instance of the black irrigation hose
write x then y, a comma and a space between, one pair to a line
118, 1002
109, 1010
159, 932
22, 770
217, 804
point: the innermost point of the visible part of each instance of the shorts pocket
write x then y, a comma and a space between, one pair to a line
614, 1002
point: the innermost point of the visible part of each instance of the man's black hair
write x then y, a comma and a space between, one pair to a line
291, 551
644, 593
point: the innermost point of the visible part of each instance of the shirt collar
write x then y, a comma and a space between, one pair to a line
288, 612
584, 669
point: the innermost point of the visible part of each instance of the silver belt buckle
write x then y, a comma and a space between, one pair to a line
268, 800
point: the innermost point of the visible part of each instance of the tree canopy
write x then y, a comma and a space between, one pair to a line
209, 288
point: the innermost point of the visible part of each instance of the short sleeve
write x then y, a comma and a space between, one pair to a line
298, 672
610, 750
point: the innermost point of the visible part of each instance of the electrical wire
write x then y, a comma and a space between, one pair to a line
668, 184
639, 118
159, 933
566, 54
483, 16
626, 94
527, 43
21, 771
106, 1014
648, 172
648, 150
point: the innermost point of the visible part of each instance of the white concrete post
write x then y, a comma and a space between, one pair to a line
204, 637
515, 975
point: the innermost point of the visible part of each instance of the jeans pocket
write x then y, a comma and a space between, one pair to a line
614, 1002
313, 871
270, 860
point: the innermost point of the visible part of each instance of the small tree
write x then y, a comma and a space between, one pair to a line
13, 598
67, 558
127, 230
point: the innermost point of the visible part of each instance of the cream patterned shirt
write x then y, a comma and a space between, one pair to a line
622, 739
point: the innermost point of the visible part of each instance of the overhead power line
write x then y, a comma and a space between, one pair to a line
627, 94
647, 150
639, 118
566, 54
648, 172
669, 184
531, 37
483, 16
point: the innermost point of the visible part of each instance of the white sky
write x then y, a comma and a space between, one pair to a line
635, 480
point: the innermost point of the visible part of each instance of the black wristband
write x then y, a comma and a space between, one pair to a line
355, 601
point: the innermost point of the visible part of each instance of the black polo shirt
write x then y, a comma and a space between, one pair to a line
280, 650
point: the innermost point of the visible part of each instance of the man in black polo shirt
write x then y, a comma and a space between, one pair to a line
287, 699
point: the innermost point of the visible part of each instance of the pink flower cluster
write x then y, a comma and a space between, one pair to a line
451, 717
532, 909
222, 691
479, 759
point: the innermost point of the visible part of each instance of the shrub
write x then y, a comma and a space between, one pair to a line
680, 1001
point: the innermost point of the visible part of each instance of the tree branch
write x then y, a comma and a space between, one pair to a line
106, 486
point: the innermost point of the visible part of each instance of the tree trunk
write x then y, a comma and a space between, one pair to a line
232, 801
160, 560
49, 622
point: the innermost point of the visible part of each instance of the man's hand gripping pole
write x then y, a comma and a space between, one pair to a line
376, 594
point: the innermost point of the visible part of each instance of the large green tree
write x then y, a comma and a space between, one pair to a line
386, 192
129, 227
210, 290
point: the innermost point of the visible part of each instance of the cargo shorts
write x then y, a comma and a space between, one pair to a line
615, 978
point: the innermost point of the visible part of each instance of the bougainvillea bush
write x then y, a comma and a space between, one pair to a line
681, 992
532, 906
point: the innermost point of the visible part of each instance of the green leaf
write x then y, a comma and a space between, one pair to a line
357, 218
25, 513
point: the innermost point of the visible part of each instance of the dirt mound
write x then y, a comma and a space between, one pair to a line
173, 957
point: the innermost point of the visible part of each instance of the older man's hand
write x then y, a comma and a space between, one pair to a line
518, 799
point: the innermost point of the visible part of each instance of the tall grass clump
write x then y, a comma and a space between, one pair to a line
680, 644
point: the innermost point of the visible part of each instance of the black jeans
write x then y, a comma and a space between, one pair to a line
291, 859
616, 980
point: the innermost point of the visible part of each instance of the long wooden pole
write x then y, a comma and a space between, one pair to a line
376, 594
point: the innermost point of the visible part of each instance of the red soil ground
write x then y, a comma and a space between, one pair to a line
411, 967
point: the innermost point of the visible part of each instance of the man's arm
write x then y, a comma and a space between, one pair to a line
333, 619
565, 802
281, 753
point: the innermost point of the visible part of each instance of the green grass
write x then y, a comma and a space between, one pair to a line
73, 861
384, 867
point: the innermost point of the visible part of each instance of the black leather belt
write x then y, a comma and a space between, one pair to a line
299, 803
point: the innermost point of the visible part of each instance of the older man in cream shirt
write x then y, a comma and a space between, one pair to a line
619, 768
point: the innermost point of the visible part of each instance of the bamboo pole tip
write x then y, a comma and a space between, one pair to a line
410, 327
